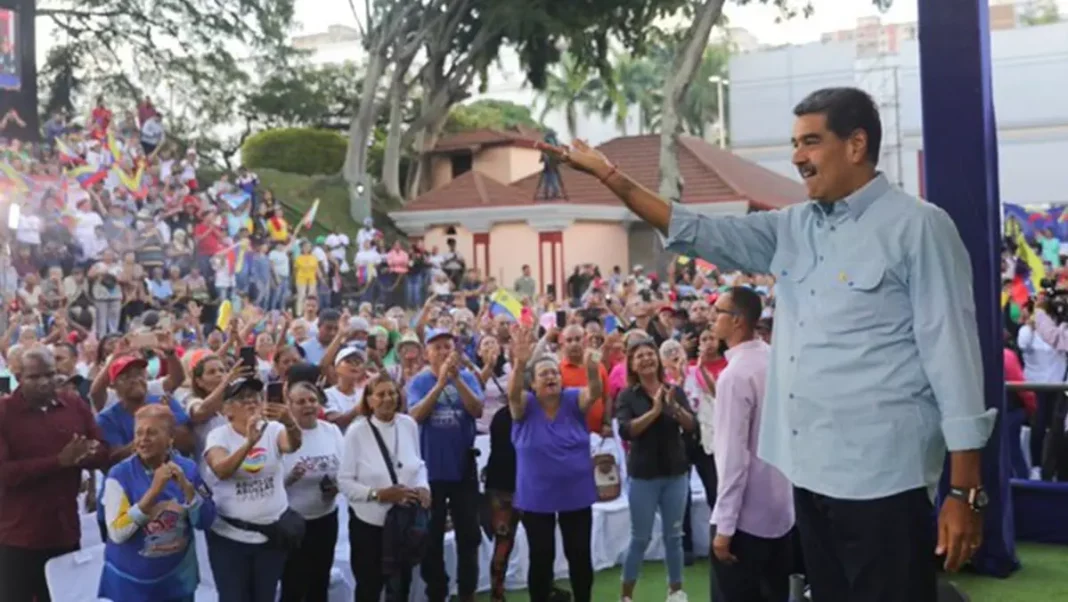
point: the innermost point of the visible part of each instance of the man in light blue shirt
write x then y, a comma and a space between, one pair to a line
875, 369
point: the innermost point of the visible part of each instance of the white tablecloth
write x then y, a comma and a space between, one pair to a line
75, 577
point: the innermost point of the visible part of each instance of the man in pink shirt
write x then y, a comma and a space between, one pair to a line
754, 512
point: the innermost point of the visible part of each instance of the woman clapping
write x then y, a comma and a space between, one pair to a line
244, 468
554, 470
152, 504
311, 483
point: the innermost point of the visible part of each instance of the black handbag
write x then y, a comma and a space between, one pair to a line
406, 533
286, 533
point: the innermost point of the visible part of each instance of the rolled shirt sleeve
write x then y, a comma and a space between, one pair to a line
943, 306
745, 243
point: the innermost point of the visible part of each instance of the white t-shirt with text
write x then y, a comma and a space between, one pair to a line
320, 457
256, 492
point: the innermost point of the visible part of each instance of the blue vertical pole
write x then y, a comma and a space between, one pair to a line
961, 169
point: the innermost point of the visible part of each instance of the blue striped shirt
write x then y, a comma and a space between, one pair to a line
875, 367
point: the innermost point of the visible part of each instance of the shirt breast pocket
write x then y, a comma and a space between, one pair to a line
856, 296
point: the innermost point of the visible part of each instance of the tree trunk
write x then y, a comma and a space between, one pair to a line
355, 168
687, 60
398, 89
425, 141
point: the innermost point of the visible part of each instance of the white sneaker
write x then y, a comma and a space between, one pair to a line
679, 596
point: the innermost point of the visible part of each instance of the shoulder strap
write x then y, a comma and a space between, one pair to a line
385, 452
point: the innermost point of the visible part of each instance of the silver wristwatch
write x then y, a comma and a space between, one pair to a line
372, 496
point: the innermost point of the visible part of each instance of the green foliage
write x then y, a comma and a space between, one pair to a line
303, 151
497, 114
637, 82
297, 193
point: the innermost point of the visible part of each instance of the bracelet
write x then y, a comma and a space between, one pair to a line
611, 173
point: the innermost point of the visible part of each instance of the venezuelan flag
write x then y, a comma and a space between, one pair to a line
20, 181
134, 183
1033, 262
113, 147
87, 176
505, 303
66, 155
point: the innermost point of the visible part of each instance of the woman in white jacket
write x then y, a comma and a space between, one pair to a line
365, 481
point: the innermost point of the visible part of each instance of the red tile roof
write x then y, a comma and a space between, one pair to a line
472, 140
470, 190
710, 174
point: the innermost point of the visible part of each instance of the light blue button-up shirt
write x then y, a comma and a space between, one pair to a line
875, 366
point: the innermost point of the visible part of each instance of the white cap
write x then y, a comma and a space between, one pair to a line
359, 324
347, 352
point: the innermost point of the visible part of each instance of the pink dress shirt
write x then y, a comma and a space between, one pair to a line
753, 496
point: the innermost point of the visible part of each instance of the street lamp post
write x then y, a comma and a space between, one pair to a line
720, 83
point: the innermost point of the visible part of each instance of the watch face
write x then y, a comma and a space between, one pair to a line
981, 499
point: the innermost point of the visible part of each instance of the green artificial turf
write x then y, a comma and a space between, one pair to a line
1041, 579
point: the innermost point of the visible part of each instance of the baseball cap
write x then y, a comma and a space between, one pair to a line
358, 324
347, 352
123, 363
432, 334
241, 384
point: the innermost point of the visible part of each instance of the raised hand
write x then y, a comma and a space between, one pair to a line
254, 430
77, 450
580, 156
522, 345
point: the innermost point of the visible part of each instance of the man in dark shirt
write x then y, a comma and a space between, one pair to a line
46, 439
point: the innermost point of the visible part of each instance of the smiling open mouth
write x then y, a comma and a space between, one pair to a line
806, 171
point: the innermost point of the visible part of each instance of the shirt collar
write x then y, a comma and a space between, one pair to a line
857, 203
20, 402
742, 348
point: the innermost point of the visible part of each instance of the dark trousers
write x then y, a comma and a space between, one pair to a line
306, 577
504, 518
22, 576
706, 471
245, 572
1040, 423
576, 528
365, 557
460, 500
762, 573
877, 550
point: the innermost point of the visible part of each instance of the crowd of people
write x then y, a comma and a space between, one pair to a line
185, 359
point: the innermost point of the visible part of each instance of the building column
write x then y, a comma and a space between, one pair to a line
551, 262
961, 176
480, 241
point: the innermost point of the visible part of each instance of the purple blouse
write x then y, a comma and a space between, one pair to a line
554, 469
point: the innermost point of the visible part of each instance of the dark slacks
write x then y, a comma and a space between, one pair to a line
762, 573
306, 577
879, 550
22, 575
365, 557
245, 572
576, 528
460, 500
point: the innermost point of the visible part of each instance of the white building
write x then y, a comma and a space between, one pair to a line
1030, 79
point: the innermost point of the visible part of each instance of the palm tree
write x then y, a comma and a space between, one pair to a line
571, 88
701, 103
636, 84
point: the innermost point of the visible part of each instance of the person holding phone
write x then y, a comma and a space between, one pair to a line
152, 502
311, 484
246, 473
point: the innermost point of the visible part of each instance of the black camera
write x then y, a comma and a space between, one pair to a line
1056, 300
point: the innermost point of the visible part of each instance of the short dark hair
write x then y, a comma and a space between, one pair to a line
747, 303
329, 315
847, 110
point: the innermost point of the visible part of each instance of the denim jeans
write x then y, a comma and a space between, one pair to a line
646, 497
414, 289
279, 294
245, 572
